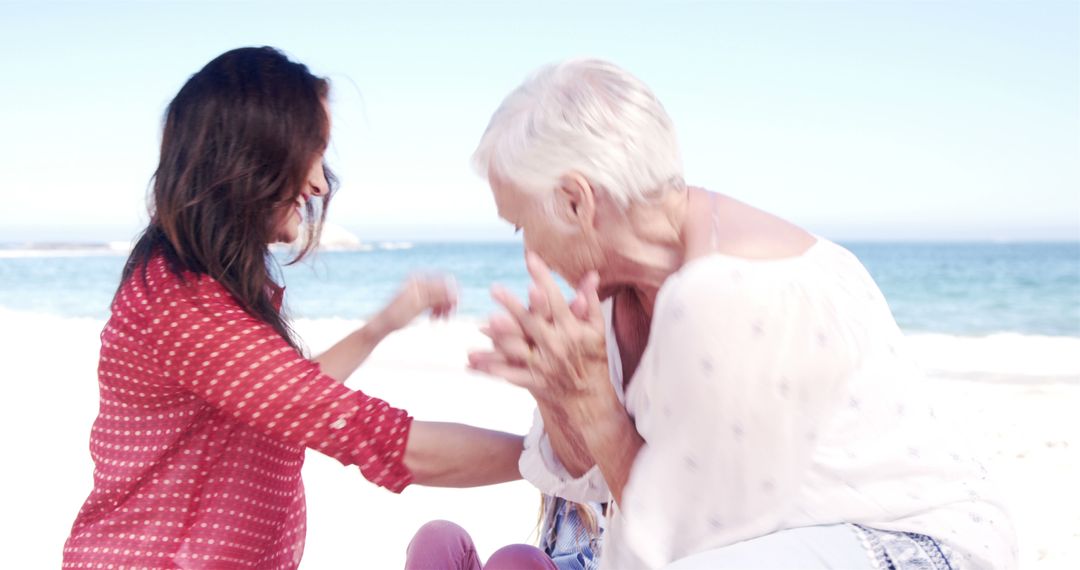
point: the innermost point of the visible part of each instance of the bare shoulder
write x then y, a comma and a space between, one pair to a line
720, 224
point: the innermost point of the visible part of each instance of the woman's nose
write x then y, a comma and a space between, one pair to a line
317, 184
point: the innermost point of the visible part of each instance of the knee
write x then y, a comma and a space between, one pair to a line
519, 557
440, 532
441, 544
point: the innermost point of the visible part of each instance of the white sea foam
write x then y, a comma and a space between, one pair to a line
1001, 356
395, 245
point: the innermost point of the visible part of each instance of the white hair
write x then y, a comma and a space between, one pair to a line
586, 116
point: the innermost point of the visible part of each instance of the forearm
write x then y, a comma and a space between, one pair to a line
566, 443
613, 441
455, 455
342, 359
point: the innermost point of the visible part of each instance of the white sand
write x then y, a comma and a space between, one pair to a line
1017, 398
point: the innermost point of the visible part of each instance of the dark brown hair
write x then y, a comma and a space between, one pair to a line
237, 146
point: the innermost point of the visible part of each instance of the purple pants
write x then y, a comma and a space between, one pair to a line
443, 545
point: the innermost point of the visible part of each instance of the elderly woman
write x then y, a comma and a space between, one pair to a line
736, 384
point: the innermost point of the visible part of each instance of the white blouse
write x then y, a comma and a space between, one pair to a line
778, 394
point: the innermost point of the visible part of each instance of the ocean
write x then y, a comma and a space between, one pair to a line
962, 289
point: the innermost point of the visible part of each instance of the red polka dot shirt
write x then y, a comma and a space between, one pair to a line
198, 444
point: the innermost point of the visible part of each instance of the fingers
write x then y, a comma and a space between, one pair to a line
588, 290
538, 303
494, 364
482, 358
507, 338
453, 293
513, 348
553, 348
443, 294
504, 324
436, 293
541, 275
531, 325
586, 304
580, 306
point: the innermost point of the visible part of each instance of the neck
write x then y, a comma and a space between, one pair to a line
648, 246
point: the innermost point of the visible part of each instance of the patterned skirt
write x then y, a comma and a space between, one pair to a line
890, 550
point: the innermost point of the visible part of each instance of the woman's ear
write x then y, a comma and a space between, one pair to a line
576, 199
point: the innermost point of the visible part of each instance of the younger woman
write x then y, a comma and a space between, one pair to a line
206, 401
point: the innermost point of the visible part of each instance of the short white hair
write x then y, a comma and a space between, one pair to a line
587, 116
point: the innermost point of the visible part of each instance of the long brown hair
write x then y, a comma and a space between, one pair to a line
238, 143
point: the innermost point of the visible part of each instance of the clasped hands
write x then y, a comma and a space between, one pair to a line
552, 348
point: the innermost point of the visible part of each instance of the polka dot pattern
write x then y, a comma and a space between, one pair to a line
204, 415
777, 394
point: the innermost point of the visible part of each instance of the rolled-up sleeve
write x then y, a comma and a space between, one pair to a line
240, 365
540, 466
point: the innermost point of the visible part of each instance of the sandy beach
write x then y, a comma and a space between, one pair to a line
1014, 397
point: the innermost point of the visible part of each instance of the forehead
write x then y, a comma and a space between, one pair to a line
509, 199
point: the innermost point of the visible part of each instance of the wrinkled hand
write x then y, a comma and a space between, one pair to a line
554, 349
420, 293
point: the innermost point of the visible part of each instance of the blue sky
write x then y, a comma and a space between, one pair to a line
857, 120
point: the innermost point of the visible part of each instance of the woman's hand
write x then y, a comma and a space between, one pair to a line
419, 293
557, 351
554, 349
